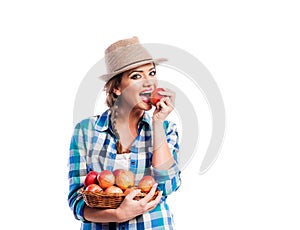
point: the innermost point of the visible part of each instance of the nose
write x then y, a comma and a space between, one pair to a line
148, 81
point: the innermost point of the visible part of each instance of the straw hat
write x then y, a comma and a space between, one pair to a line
124, 55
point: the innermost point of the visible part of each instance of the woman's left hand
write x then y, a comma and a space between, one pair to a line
165, 106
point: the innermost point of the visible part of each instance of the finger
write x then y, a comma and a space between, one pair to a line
149, 196
133, 193
158, 197
169, 102
165, 106
170, 94
162, 103
153, 203
167, 92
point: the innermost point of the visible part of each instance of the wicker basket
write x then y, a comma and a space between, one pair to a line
107, 200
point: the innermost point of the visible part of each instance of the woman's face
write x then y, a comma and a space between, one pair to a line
136, 87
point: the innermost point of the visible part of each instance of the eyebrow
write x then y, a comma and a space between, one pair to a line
141, 71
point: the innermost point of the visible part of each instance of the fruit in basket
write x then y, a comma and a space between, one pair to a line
117, 171
91, 178
155, 96
106, 179
113, 189
124, 179
93, 188
146, 183
129, 190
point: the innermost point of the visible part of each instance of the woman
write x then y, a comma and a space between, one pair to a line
126, 136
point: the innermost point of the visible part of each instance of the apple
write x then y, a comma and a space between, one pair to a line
124, 179
117, 171
91, 178
129, 190
106, 178
146, 183
113, 189
155, 96
93, 188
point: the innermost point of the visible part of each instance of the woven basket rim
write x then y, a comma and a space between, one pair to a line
107, 200
106, 194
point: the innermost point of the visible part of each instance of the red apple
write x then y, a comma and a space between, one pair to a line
106, 178
91, 178
146, 183
113, 189
93, 188
155, 96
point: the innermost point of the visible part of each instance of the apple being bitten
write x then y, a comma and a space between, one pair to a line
155, 96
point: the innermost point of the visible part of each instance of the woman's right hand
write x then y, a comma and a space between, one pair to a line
131, 208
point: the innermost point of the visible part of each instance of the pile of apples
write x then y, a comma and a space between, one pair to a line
118, 181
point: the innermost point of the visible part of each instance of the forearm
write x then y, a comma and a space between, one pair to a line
127, 210
162, 157
97, 215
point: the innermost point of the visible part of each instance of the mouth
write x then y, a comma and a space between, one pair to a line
145, 96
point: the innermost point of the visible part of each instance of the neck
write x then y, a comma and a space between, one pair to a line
130, 117
125, 124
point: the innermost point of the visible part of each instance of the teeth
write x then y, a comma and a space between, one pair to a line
146, 94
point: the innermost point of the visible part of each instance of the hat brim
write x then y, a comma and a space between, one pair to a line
108, 76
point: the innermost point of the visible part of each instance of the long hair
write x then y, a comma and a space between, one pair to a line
109, 87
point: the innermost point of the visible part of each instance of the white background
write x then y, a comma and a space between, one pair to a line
250, 47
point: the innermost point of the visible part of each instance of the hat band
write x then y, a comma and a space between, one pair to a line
132, 63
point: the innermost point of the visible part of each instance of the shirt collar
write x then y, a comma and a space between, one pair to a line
146, 119
103, 122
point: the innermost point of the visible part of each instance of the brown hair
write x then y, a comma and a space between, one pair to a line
109, 87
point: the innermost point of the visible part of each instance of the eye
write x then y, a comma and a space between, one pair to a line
152, 73
135, 76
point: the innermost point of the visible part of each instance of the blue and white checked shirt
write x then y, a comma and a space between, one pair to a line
93, 147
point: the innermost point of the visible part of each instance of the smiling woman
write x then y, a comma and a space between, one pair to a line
142, 81
128, 136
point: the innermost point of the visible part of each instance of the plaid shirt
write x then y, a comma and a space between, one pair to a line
93, 147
